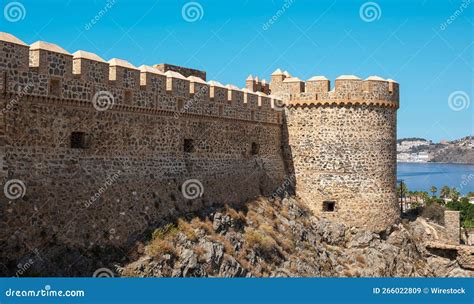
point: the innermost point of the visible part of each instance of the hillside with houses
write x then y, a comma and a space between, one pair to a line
422, 150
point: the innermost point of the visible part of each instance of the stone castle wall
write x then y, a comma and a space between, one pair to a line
145, 133
137, 156
342, 146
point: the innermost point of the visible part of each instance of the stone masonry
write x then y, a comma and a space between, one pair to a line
100, 151
342, 146
452, 224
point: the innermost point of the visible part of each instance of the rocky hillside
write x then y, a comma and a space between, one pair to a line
451, 154
280, 238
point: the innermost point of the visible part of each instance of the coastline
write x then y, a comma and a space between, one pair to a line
421, 176
444, 163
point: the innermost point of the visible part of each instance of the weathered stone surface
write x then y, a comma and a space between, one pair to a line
155, 131
328, 249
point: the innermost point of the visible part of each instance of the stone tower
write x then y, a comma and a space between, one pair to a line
341, 146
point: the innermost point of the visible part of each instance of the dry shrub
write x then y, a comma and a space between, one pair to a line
165, 232
187, 229
242, 259
163, 241
206, 225
268, 209
254, 217
287, 244
159, 247
267, 229
256, 239
234, 214
228, 247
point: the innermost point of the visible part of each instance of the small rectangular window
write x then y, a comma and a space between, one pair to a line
180, 104
188, 146
221, 110
252, 115
78, 140
55, 87
255, 149
329, 206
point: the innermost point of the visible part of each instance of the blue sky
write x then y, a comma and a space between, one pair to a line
404, 40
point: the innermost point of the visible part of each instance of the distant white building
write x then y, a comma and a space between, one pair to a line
421, 157
406, 145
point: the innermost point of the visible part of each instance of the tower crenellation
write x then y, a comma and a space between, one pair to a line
348, 89
90, 68
160, 125
341, 146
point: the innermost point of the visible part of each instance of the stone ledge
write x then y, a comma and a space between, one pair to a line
136, 109
345, 102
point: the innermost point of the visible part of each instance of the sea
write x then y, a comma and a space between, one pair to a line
421, 176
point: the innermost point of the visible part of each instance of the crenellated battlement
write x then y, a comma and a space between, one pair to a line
50, 72
69, 121
348, 90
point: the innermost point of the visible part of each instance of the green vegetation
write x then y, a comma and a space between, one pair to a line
466, 209
432, 206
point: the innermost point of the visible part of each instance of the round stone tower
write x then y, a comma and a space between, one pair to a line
340, 145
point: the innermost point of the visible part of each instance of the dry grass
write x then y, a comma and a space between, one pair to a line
158, 248
205, 225
269, 230
254, 238
241, 257
228, 247
163, 241
234, 214
164, 231
287, 244
254, 217
187, 229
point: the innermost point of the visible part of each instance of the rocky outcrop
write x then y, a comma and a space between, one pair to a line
280, 238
